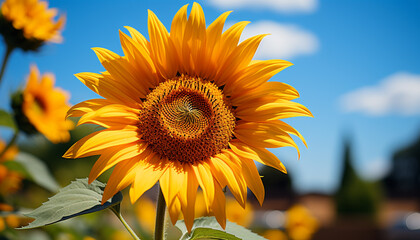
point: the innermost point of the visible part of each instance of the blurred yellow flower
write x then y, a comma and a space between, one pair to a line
27, 24
5, 207
9, 154
10, 181
275, 234
10, 219
300, 224
41, 107
237, 214
13, 221
146, 213
187, 109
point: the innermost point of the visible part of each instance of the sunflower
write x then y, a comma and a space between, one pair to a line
41, 107
189, 109
300, 224
27, 24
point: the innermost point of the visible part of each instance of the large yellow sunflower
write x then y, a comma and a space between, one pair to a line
189, 109
29, 23
41, 107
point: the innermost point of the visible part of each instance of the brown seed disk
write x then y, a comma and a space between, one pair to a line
187, 120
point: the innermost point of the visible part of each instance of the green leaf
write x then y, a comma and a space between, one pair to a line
76, 199
209, 228
37, 171
6, 120
209, 233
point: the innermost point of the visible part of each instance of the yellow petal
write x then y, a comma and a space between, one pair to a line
113, 156
106, 87
122, 72
205, 180
122, 176
177, 34
148, 172
269, 91
258, 154
95, 142
111, 115
172, 181
194, 41
253, 179
87, 106
137, 36
187, 196
139, 57
254, 75
174, 210
272, 111
238, 59
263, 135
227, 44
161, 47
234, 179
219, 205
213, 38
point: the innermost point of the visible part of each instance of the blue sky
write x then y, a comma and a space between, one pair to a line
357, 68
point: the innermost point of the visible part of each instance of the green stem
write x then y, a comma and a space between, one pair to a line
6, 56
11, 143
160, 217
116, 209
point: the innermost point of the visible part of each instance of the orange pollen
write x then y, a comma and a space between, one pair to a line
186, 119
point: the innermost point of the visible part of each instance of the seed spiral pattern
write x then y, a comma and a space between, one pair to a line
186, 119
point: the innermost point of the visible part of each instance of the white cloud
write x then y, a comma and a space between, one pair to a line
397, 94
284, 6
285, 40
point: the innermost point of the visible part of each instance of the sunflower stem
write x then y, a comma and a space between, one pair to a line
12, 141
6, 56
160, 217
116, 209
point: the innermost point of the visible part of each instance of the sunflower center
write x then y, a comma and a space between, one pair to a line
186, 119
39, 105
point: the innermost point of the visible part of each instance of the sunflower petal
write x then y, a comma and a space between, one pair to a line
269, 90
87, 106
231, 176
148, 172
122, 72
261, 155
188, 195
254, 75
106, 87
172, 181
113, 156
219, 205
253, 179
161, 47
280, 109
174, 210
264, 135
96, 142
139, 57
111, 115
238, 59
122, 176
205, 180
